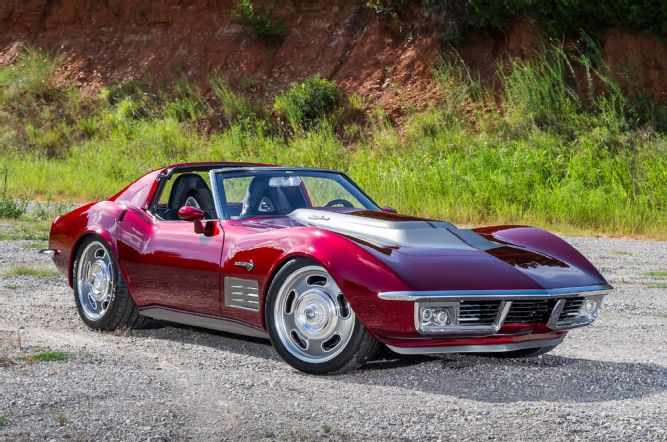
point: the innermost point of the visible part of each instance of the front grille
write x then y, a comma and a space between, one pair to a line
570, 310
473, 313
530, 311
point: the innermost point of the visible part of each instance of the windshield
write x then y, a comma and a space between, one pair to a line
248, 194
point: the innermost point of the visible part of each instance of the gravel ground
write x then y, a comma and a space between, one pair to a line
607, 381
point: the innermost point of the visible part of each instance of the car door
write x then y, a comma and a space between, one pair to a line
167, 264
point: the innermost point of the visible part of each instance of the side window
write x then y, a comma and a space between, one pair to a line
186, 189
235, 189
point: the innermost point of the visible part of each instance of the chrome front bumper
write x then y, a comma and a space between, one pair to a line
560, 317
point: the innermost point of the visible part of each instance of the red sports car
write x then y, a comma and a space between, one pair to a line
307, 259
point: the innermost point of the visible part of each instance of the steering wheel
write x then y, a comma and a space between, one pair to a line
342, 202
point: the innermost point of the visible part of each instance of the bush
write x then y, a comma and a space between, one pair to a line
306, 104
12, 209
234, 106
259, 19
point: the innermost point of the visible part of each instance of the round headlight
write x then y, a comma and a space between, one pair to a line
442, 317
590, 307
426, 315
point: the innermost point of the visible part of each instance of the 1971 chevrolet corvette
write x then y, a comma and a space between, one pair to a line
307, 259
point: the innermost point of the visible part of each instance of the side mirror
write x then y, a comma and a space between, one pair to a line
389, 210
194, 215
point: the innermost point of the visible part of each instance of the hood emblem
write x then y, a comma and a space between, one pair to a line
319, 217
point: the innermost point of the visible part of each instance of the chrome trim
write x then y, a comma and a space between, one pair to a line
50, 252
249, 265
203, 321
492, 348
555, 314
503, 310
241, 293
494, 294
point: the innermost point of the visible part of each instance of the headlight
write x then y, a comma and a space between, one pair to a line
435, 317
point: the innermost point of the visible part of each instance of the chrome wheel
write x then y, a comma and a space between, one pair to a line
94, 280
313, 320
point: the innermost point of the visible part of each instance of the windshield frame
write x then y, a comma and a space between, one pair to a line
363, 198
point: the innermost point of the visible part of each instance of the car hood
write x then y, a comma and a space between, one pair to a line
436, 255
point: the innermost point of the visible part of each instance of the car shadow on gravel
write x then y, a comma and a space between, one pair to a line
544, 379
218, 340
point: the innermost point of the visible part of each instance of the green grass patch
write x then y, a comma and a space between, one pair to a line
620, 252
25, 230
3, 421
657, 286
36, 245
12, 286
656, 275
48, 356
662, 314
23, 270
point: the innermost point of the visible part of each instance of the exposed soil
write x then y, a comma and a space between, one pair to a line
388, 63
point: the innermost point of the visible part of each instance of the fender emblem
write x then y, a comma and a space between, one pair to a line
248, 265
319, 217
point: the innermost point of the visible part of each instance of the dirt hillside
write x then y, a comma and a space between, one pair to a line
113, 41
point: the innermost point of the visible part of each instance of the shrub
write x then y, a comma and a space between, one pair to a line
234, 106
259, 19
12, 209
307, 103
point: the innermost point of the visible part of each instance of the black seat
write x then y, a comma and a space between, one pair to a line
262, 199
190, 189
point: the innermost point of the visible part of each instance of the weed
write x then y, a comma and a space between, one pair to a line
656, 275
23, 270
305, 104
662, 314
260, 19
326, 428
5, 361
12, 209
36, 245
620, 252
657, 286
3, 421
61, 418
234, 106
12, 286
49, 356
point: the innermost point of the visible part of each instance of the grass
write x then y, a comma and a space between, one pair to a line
662, 314
12, 286
23, 270
657, 286
656, 275
48, 356
620, 252
546, 151
3, 421
36, 245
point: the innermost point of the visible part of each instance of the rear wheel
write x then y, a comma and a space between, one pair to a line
311, 325
518, 354
102, 298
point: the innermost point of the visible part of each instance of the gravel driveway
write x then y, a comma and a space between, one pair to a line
607, 381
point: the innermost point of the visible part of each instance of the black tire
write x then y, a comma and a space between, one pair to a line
121, 311
359, 349
520, 354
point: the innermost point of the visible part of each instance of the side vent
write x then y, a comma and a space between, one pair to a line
241, 293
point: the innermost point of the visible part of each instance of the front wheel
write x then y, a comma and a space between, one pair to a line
311, 325
101, 296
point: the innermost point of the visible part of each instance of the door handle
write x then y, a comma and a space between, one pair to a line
247, 265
